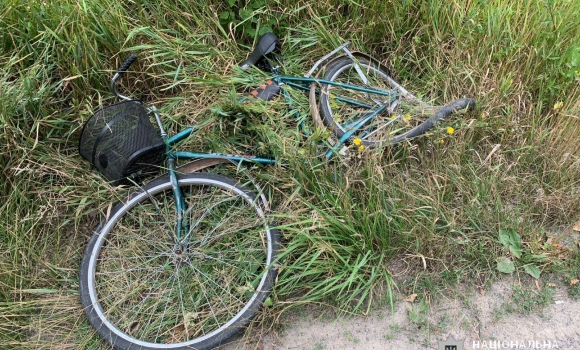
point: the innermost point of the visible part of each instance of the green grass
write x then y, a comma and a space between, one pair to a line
527, 301
437, 208
575, 292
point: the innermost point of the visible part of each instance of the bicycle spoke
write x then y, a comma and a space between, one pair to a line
208, 302
165, 292
342, 106
162, 315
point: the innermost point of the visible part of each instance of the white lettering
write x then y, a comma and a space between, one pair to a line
514, 345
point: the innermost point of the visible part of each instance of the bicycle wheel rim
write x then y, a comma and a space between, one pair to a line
398, 117
166, 338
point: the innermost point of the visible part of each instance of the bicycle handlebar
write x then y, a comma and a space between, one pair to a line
128, 62
132, 58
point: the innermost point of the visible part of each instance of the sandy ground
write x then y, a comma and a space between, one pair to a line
476, 320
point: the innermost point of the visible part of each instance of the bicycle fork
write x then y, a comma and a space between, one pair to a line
180, 205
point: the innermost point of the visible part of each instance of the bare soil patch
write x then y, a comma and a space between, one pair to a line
506, 315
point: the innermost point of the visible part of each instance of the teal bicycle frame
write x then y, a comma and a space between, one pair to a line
302, 83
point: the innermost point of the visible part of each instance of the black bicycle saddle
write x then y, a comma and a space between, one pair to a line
267, 45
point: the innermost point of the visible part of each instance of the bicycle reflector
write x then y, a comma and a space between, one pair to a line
121, 142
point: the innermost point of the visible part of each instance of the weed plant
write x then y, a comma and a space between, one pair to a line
435, 205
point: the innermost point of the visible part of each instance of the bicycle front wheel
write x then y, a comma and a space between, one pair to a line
400, 115
143, 287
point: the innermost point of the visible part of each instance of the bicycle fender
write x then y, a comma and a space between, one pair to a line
200, 164
361, 55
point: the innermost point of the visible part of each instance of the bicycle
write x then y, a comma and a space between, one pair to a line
188, 259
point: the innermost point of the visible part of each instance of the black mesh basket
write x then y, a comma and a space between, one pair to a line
121, 142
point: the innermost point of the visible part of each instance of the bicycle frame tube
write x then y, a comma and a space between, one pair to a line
350, 132
300, 83
286, 79
180, 205
338, 98
236, 158
294, 82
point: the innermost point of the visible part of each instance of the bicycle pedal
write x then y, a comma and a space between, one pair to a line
266, 91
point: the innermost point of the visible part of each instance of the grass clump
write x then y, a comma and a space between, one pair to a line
574, 292
435, 208
527, 300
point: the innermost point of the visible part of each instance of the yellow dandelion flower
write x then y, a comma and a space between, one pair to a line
441, 141
393, 117
558, 105
408, 117
450, 130
361, 148
357, 141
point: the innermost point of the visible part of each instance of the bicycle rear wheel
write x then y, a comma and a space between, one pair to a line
404, 117
143, 288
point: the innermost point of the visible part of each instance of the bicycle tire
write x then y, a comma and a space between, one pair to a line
342, 71
142, 289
